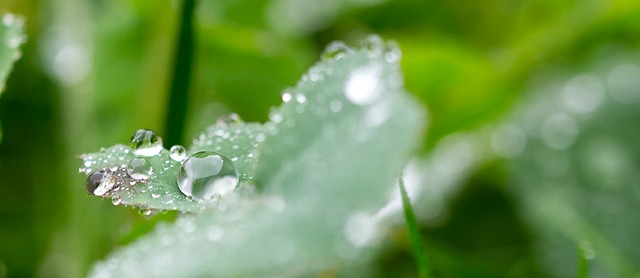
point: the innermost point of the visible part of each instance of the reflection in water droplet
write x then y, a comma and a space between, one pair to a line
139, 168
335, 51
116, 201
624, 83
100, 182
508, 141
93, 181
145, 142
178, 153
363, 86
583, 93
228, 120
207, 175
559, 131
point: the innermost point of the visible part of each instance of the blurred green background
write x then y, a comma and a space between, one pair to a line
92, 72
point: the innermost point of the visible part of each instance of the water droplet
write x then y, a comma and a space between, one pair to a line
623, 82
214, 233
139, 168
374, 45
8, 19
363, 86
207, 175
155, 195
286, 96
360, 229
145, 142
300, 98
583, 93
100, 182
508, 141
335, 106
116, 201
335, 51
228, 120
178, 153
559, 131
393, 53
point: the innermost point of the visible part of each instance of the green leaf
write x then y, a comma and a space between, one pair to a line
236, 141
11, 37
577, 179
326, 165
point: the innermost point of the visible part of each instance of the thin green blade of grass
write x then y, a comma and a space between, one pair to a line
584, 255
181, 77
414, 233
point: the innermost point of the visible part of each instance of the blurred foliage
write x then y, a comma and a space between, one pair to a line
93, 72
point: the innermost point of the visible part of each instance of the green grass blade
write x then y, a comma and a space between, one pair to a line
179, 94
414, 233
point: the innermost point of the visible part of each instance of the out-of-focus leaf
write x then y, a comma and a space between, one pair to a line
327, 163
11, 37
577, 178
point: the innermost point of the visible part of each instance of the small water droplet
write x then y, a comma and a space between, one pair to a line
178, 153
116, 201
139, 168
228, 120
335, 51
155, 195
559, 131
392, 52
145, 142
374, 45
204, 175
286, 96
300, 98
336, 106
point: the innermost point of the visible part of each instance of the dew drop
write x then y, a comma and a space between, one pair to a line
100, 182
178, 153
207, 175
145, 142
300, 98
228, 120
116, 201
335, 51
139, 168
286, 96
93, 181
363, 86
392, 53
374, 45
335, 106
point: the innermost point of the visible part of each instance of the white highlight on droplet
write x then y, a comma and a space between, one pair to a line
363, 85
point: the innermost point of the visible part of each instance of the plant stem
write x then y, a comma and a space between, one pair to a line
414, 233
583, 264
181, 77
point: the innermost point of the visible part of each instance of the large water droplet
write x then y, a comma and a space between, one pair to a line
100, 182
139, 168
145, 142
178, 153
335, 51
207, 175
228, 120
